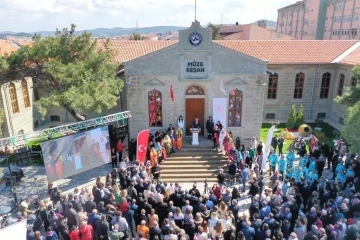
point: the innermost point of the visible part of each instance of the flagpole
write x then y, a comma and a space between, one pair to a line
195, 10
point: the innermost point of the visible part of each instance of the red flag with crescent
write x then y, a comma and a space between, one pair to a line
171, 93
142, 143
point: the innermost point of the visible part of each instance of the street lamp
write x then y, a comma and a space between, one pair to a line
13, 190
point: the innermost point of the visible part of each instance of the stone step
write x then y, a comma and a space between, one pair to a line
194, 149
177, 157
195, 161
190, 171
211, 180
189, 176
203, 166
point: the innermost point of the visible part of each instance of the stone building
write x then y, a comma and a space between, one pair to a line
269, 75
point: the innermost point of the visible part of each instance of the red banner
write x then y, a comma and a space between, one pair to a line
142, 143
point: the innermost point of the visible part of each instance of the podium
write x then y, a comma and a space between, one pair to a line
195, 135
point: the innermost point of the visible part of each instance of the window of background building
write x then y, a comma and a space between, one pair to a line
21, 132
325, 85
13, 98
272, 87
270, 116
299, 85
155, 108
341, 84
25, 92
353, 82
321, 115
235, 108
55, 118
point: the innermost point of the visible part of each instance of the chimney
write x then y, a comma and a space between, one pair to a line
262, 23
237, 23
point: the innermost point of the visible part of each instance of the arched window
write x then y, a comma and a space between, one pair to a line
235, 108
155, 108
341, 84
21, 132
54, 118
325, 85
272, 88
195, 90
25, 92
299, 85
353, 82
13, 98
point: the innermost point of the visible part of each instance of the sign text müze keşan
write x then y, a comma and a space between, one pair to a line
195, 67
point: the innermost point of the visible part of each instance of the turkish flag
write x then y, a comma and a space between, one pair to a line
142, 143
171, 93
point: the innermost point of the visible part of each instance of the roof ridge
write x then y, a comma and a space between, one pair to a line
346, 53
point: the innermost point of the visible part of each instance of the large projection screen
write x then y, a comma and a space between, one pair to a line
73, 154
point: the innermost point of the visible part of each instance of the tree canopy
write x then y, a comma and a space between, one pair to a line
351, 98
215, 31
73, 72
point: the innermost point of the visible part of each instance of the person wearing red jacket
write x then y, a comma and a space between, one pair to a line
86, 231
74, 233
120, 148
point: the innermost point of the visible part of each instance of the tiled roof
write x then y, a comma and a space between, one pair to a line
127, 50
353, 58
291, 51
293, 5
6, 47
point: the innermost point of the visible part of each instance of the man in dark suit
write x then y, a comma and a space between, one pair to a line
90, 205
102, 228
210, 127
196, 123
155, 231
162, 210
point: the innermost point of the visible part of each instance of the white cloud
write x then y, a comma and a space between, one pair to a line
32, 15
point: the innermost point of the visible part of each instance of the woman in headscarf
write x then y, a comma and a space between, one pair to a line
167, 143
227, 143
222, 136
173, 140
153, 157
179, 134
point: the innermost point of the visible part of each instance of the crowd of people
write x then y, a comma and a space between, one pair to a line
298, 201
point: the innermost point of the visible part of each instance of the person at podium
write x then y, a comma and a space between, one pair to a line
196, 123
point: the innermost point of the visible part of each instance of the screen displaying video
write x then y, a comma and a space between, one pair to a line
73, 154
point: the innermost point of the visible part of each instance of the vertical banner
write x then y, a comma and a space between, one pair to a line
267, 147
219, 111
142, 143
16, 231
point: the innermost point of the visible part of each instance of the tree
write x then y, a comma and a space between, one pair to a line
291, 122
300, 117
215, 31
73, 72
136, 37
351, 98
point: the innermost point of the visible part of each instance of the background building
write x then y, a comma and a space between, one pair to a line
320, 19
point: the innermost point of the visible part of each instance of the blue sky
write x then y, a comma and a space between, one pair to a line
36, 15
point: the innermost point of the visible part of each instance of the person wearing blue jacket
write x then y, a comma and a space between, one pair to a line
273, 159
312, 165
282, 166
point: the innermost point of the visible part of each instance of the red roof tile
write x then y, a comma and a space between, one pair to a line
230, 29
125, 50
291, 51
353, 58
6, 47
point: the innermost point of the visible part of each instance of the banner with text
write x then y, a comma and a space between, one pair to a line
219, 111
142, 144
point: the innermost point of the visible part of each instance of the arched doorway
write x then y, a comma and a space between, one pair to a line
194, 107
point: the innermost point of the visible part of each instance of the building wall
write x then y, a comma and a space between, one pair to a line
311, 100
16, 123
234, 70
